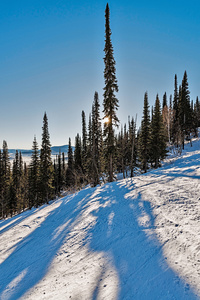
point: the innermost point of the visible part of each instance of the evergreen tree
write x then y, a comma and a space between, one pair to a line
84, 143
110, 101
70, 176
59, 173
6, 181
34, 169
198, 111
96, 140
55, 175
144, 140
120, 152
1, 186
175, 124
185, 114
158, 136
63, 170
15, 185
196, 117
90, 149
164, 100
46, 166
170, 119
132, 144
20, 203
25, 187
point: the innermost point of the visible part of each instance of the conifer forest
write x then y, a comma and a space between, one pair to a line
104, 147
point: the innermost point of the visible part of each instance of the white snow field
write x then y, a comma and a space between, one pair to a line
133, 239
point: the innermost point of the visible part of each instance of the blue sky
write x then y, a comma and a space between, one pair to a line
51, 59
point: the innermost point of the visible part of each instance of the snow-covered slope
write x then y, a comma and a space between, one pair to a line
133, 239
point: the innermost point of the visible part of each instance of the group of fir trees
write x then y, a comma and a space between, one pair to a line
99, 153
94, 153
181, 116
85, 164
24, 186
152, 136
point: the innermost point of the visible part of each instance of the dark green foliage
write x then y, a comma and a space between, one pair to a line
196, 116
77, 154
84, 143
18, 187
46, 167
185, 112
14, 188
63, 170
96, 141
6, 180
164, 100
25, 187
126, 149
132, 145
175, 123
70, 173
1, 186
110, 101
120, 145
144, 140
34, 170
158, 136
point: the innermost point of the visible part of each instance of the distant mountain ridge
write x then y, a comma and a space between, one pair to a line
26, 153
54, 150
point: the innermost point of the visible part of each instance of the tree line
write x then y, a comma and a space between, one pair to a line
100, 152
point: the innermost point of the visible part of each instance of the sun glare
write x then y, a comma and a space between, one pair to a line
105, 120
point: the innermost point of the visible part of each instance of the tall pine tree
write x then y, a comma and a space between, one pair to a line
34, 169
110, 101
144, 141
70, 175
96, 140
6, 181
158, 136
46, 166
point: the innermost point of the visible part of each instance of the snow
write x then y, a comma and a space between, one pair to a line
135, 238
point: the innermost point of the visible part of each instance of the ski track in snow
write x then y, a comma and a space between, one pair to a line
136, 238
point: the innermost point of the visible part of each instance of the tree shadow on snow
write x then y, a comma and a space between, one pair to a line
31, 257
15, 220
121, 232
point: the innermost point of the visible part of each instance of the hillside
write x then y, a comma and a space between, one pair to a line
136, 238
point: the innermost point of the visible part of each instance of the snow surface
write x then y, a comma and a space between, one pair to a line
136, 238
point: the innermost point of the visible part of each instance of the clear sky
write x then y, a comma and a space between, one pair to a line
51, 59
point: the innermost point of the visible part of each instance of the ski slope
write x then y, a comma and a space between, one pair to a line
136, 238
